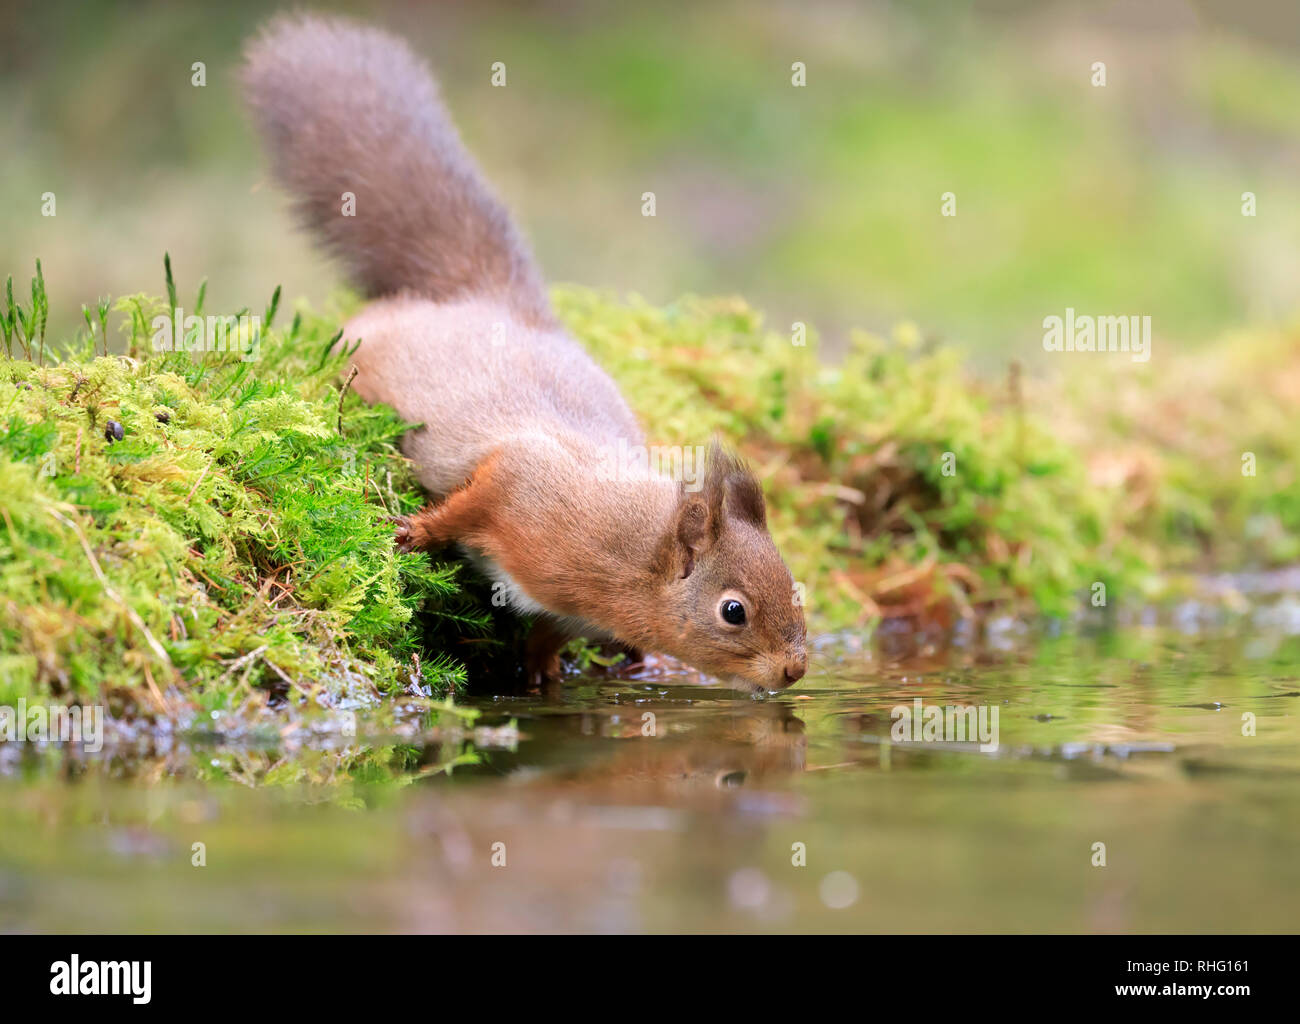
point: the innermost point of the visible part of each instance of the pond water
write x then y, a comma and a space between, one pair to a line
1177, 750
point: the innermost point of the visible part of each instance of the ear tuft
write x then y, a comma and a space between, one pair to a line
730, 487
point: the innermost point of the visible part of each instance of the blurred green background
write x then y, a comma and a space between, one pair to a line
819, 204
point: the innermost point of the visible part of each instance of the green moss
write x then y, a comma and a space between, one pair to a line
896, 483
1203, 449
901, 484
233, 544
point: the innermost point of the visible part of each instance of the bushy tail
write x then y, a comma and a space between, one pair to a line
347, 109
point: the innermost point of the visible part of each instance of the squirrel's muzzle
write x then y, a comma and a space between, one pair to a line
795, 668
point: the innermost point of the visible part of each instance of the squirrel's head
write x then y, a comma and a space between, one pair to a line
730, 607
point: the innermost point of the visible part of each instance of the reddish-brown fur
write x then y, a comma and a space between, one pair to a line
517, 421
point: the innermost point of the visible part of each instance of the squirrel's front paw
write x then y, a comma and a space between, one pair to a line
414, 532
403, 535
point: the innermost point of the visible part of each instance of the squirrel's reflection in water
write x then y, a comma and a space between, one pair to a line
691, 749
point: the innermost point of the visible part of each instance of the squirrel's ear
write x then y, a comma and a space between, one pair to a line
689, 533
729, 483
695, 532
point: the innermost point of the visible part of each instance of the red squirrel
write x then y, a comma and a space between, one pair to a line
517, 421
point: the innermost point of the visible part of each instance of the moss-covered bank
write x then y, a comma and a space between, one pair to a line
905, 485
210, 529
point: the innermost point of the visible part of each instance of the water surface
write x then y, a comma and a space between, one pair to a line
792, 812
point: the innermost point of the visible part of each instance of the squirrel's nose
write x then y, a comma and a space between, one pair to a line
795, 668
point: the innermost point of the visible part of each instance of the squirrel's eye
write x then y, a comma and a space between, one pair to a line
733, 612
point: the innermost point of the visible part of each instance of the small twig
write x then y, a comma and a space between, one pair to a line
241, 660
280, 672
108, 588
153, 689
870, 610
851, 495
378, 493
199, 481
905, 577
76, 469
13, 534
342, 393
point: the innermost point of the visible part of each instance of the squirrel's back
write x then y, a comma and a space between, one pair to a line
343, 108
461, 338
473, 377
